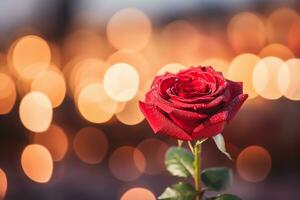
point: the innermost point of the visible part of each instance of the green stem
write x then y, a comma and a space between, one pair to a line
197, 167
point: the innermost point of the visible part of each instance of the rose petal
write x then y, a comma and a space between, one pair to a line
234, 106
157, 79
211, 127
165, 84
200, 106
186, 120
235, 88
208, 69
161, 124
220, 89
201, 99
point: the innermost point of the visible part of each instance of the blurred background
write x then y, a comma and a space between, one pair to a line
72, 72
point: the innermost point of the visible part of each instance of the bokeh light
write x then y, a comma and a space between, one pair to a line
267, 80
138, 194
121, 82
23, 86
52, 84
85, 72
29, 56
35, 111
254, 163
134, 59
3, 184
55, 140
90, 145
8, 93
241, 69
277, 50
293, 90
94, 105
154, 156
131, 114
127, 163
129, 28
246, 33
279, 23
37, 163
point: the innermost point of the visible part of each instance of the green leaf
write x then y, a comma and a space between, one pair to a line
179, 162
217, 178
179, 191
225, 197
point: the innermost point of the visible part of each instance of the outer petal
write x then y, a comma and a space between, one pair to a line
187, 120
158, 79
161, 124
235, 88
211, 127
168, 107
215, 124
234, 106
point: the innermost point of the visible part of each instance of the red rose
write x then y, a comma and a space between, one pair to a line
192, 104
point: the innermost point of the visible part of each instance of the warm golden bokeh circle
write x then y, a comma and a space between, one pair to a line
8, 93
134, 59
121, 82
277, 50
127, 163
131, 113
55, 140
3, 184
254, 163
129, 28
90, 145
29, 56
241, 69
51, 83
84, 72
154, 151
37, 163
94, 105
293, 90
246, 33
271, 77
23, 86
36, 111
138, 194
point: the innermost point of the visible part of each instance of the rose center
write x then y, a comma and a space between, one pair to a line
188, 86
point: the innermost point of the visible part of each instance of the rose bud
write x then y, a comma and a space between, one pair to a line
192, 104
